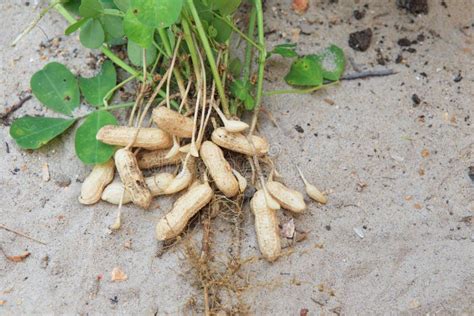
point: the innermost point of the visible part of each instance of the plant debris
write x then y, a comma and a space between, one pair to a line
118, 275
16, 258
300, 6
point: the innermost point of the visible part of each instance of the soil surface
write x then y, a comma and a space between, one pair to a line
397, 235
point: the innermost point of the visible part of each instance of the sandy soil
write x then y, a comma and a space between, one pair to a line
396, 237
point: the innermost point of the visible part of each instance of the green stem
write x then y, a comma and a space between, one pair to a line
248, 49
192, 49
210, 57
118, 106
261, 64
111, 91
114, 12
166, 42
299, 91
35, 21
236, 30
169, 53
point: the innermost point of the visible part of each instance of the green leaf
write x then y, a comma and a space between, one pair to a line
95, 89
332, 62
56, 87
285, 50
225, 7
72, 6
240, 89
75, 26
90, 8
223, 30
305, 71
123, 5
33, 132
88, 148
108, 4
157, 13
135, 54
92, 34
249, 103
113, 27
136, 31
235, 67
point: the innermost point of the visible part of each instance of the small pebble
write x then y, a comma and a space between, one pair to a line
359, 231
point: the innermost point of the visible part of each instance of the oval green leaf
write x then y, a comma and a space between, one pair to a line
156, 13
88, 148
113, 27
75, 26
95, 89
225, 7
31, 132
332, 62
56, 87
223, 30
72, 6
135, 54
90, 8
92, 34
137, 31
123, 5
305, 71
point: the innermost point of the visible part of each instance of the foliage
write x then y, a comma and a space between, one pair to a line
151, 28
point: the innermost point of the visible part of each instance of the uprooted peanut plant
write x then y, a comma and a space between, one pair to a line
192, 89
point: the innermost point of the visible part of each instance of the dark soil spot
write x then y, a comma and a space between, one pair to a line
416, 99
358, 15
471, 173
360, 40
299, 129
404, 42
414, 6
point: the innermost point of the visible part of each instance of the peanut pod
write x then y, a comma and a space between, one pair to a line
156, 184
132, 178
266, 227
94, 184
157, 158
173, 122
219, 169
239, 143
289, 199
148, 138
183, 209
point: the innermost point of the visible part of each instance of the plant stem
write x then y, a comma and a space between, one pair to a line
248, 50
114, 12
261, 64
192, 49
35, 21
118, 106
299, 91
242, 34
169, 53
111, 91
210, 57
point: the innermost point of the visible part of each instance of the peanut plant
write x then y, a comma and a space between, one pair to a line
178, 52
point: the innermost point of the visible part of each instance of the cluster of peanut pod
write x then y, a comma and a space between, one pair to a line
158, 148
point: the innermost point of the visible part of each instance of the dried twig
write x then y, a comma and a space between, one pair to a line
368, 74
21, 234
14, 107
